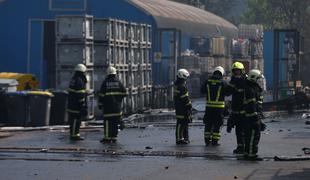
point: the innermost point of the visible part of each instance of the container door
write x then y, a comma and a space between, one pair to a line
35, 61
41, 60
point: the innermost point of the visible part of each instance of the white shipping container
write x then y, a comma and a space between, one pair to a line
70, 27
104, 29
74, 53
103, 55
63, 77
133, 32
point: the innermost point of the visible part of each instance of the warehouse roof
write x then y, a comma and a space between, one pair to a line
188, 19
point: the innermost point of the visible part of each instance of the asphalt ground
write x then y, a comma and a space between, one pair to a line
149, 152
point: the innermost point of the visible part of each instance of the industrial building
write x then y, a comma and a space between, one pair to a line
27, 31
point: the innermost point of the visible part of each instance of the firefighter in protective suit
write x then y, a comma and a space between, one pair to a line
252, 124
77, 102
236, 88
215, 90
111, 94
183, 107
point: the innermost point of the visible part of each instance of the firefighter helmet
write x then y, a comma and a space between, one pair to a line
219, 69
255, 75
80, 68
237, 65
111, 70
183, 74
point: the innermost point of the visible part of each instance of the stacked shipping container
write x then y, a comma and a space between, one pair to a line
99, 43
126, 46
74, 45
208, 53
249, 47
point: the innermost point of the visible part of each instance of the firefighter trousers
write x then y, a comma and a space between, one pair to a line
182, 129
252, 136
111, 127
213, 121
74, 120
239, 130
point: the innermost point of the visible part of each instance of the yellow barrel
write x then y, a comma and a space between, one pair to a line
25, 81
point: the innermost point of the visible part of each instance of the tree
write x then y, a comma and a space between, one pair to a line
278, 13
221, 8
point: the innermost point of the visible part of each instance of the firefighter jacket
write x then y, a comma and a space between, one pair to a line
77, 94
236, 88
111, 94
215, 90
182, 103
251, 105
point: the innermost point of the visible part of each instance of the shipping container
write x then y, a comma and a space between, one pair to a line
72, 53
74, 28
64, 75
104, 30
103, 55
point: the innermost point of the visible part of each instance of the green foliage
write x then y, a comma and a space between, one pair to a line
277, 13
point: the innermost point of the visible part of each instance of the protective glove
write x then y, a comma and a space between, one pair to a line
230, 124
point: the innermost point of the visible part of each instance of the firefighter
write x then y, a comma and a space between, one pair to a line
215, 90
252, 123
77, 102
236, 89
111, 94
183, 107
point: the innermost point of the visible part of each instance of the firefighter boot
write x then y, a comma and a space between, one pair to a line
207, 141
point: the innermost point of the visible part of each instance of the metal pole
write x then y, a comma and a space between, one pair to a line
175, 54
275, 65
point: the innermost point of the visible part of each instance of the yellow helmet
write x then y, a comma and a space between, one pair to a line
237, 65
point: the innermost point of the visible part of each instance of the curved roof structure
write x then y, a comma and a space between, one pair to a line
188, 19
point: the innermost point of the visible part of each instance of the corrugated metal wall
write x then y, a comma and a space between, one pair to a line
22, 28
22, 38
268, 57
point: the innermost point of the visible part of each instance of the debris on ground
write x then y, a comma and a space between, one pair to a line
272, 121
167, 167
306, 150
148, 147
307, 122
305, 115
291, 158
5, 135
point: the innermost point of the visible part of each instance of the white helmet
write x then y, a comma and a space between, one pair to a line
220, 69
254, 75
111, 70
183, 74
80, 68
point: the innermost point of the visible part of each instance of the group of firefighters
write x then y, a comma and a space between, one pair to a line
111, 95
245, 117
246, 108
